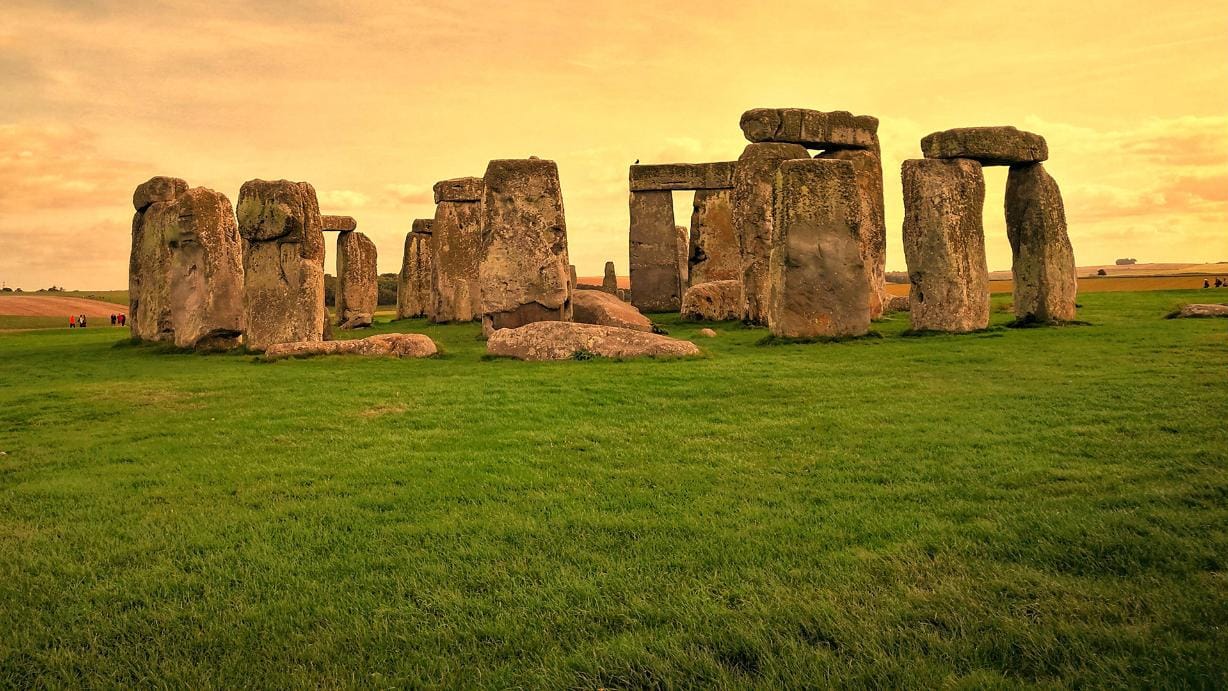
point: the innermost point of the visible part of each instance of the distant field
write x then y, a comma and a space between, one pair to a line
1100, 284
1038, 507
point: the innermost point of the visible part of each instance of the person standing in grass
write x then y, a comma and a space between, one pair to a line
72, 322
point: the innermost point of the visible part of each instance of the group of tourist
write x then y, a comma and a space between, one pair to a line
1219, 282
80, 322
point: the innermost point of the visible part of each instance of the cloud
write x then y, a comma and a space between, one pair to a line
407, 193
341, 200
49, 166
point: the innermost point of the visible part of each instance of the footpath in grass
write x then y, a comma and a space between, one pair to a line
1013, 507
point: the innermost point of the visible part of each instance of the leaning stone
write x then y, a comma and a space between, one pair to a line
566, 341
338, 224
944, 244
414, 280
754, 177
817, 283
991, 146
524, 270
157, 189
714, 254
384, 345
357, 281
459, 190
456, 253
206, 272
604, 309
812, 129
1043, 261
609, 282
681, 176
872, 231
1199, 312
654, 252
713, 301
283, 262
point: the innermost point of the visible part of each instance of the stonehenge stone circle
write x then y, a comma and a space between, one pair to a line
456, 250
872, 230
554, 340
713, 301
414, 280
990, 146
338, 224
357, 281
283, 262
1043, 265
604, 309
654, 252
944, 244
206, 276
811, 128
386, 345
681, 176
754, 177
817, 283
524, 270
609, 281
149, 264
714, 254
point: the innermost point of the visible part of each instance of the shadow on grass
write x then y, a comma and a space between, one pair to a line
773, 340
1031, 322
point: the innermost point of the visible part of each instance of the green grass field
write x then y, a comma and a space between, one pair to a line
1011, 508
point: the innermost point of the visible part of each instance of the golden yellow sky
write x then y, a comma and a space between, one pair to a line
373, 102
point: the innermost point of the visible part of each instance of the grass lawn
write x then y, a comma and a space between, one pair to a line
1016, 507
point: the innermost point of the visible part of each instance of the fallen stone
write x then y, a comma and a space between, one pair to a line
524, 271
357, 281
206, 272
601, 308
459, 190
569, 340
944, 244
816, 280
897, 303
714, 254
414, 280
872, 231
609, 281
754, 177
707, 333
385, 345
654, 252
1043, 264
812, 129
713, 301
157, 189
681, 176
990, 146
338, 224
283, 262
456, 254
1199, 312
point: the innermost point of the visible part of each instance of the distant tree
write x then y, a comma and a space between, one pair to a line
897, 277
1102, 272
387, 289
6, 289
330, 290
1126, 262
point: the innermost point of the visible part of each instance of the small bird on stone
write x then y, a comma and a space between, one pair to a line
637, 161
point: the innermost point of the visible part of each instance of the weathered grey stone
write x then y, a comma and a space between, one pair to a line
338, 224
811, 128
157, 189
384, 345
414, 280
206, 272
456, 253
565, 341
896, 303
609, 282
524, 270
714, 254
1043, 261
681, 176
357, 281
1199, 311
754, 177
713, 301
682, 255
459, 190
816, 280
944, 244
872, 231
283, 262
602, 308
991, 146
654, 253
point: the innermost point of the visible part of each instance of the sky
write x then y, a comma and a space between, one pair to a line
373, 102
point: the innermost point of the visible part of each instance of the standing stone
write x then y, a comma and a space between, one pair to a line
682, 255
575, 279
753, 179
283, 262
654, 252
817, 283
609, 282
414, 281
206, 273
456, 250
149, 264
524, 271
357, 281
714, 254
1042, 259
872, 232
944, 244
